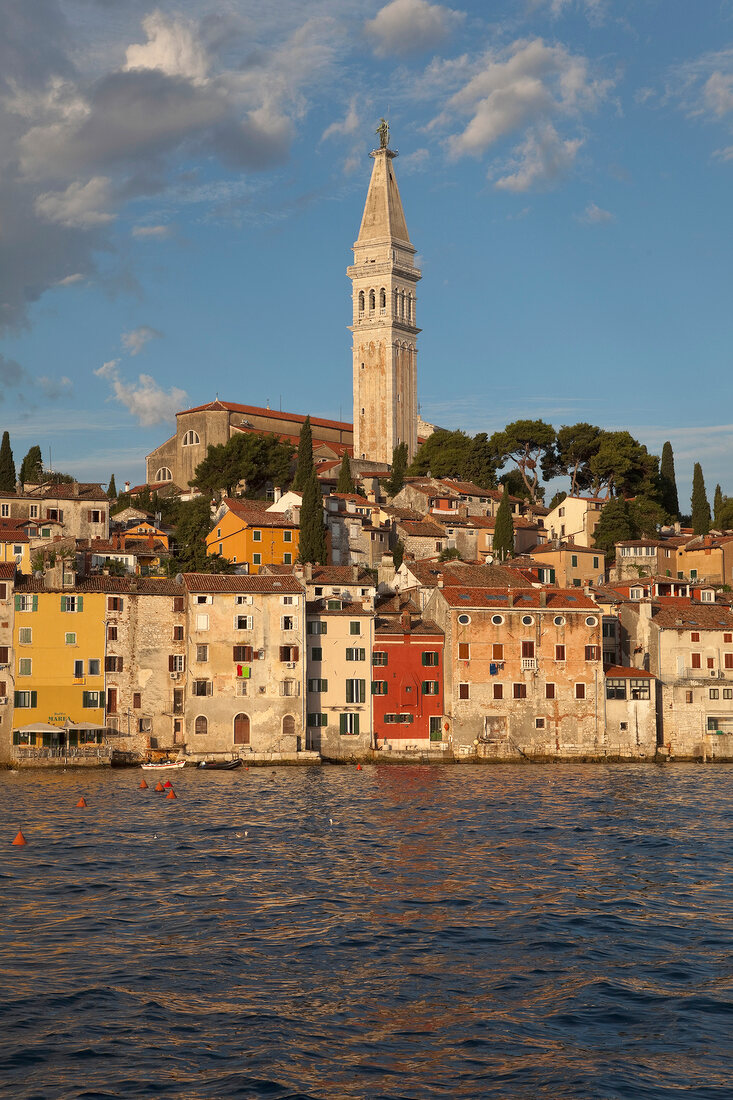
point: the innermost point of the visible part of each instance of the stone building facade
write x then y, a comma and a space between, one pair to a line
7, 677
245, 665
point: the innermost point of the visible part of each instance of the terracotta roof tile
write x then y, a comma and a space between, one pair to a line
567, 599
234, 583
618, 672
7, 570
685, 616
271, 414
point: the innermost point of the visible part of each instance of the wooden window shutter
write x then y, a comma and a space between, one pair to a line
171, 663
79, 603
342, 723
295, 653
34, 698
35, 603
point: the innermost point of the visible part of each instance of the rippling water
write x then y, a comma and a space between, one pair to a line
560, 931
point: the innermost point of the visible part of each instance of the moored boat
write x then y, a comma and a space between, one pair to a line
220, 765
164, 764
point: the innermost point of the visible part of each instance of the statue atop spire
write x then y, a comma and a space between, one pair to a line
383, 131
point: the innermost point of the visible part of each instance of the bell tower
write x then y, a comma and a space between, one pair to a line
384, 281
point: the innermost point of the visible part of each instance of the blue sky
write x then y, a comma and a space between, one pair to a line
181, 184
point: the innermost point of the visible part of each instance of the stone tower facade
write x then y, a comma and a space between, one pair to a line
384, 281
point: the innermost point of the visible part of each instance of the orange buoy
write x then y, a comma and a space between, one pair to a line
167, 783
171, 794
20, 839
143, 785
81, 803
159, 786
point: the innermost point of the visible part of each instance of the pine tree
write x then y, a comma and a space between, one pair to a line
305, 456
399, 465
504, 529
31, 468
718, 502
312, 528
668, 483
345, 481
7, 466
112, 488
700, 506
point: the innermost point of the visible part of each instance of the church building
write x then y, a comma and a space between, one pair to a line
384, 279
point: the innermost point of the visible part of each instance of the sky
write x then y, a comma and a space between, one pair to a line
181, 185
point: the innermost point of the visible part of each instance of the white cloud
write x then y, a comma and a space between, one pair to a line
704, 86
172, 48
347, 126
147, 401
540, 159
417, 161
410, 26
594, 8
136, 340
69, 280
152, 232
594, 214
80, 206
718, 93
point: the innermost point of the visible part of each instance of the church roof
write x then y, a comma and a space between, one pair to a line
383, 214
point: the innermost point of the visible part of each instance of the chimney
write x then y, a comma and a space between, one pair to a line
355, 573
127, 486
276, 494
76, 489
543, 598
441, 582
510, 599
309, 570
406, 622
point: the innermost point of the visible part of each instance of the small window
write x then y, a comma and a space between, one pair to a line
539, 723
70, 637
25, 635
714, 693
287, 536
202, 622
379, 657
25, 665
464, 620
354, 628
549, 691
430, 658
201, 724
497, 620
498, 691
190, 439
527, 620
430, 687
94, 666
136, 700
591, 621
463, 691
580, 691
355, 653
257, 559
519, 691
111, 635
559, 652
688, 696
316, 653
559, 620
202, 653
695, 636
464, 651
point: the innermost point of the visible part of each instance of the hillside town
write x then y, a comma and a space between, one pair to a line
287, 588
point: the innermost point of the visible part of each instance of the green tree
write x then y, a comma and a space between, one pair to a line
399, 465
718, 503
700, 506
345, 482
724, 522
623, 466
455, 454
312, 546
254, 459
527, 443
648, 515
617, 523
305, 456
31, 468
574, 447
503, 544
450, 553
193, 524
517, 486
57, 477
7, 466
668, 483
558, 498
112, 488
398, 553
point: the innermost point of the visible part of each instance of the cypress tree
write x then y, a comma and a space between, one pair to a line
504, 529
345, 481
668, 483
312, 546
7, 466
718, 502
31, 468
112, 488
399, 465
305, 456
700, 506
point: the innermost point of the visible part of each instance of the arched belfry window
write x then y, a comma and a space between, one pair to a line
383, 298
372, 300
164, 474
361, 301
190, 438
396, 303
402, 304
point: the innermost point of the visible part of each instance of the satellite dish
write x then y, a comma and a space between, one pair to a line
179, 578
489, 559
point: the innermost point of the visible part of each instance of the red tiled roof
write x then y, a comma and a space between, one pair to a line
428, 573
79, 490
7, 570
421, 529
224, 582
568, 548
618, 672
681, 615
13, 534
271, 414
141, 586
568, 599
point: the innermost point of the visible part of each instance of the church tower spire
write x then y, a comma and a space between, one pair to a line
384, 281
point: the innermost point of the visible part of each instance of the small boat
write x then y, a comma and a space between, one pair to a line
164, 764
220, 765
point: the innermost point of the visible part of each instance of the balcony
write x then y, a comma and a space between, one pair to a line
705, 673
529, 664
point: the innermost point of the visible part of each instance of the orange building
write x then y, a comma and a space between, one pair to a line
249, 535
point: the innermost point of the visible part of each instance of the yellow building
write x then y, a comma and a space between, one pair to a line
15, 548
250, 536
59, 657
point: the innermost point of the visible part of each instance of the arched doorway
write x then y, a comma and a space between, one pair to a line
241, 729
288, 725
